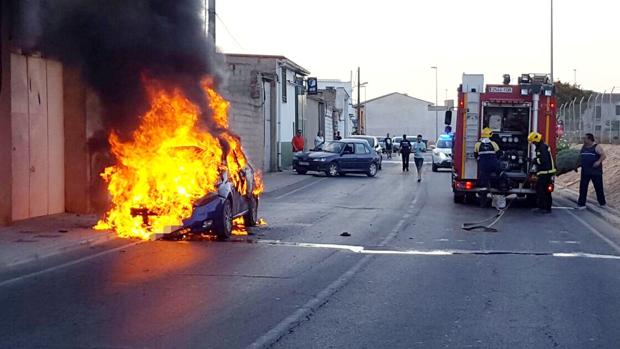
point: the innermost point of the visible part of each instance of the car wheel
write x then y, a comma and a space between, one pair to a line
332, 170
300, 171
459, 198
434, 167
372, 170
342, 174
251, 218
223, 228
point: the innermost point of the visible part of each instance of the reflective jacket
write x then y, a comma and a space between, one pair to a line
544, 160
486, 149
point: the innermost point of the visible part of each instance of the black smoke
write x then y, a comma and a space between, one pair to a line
115, 43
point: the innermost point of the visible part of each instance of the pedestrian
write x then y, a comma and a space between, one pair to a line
405, 151
485, 152
337, 136
298, 142
545, 171
388, 146
319, 140
592, 157
419, 147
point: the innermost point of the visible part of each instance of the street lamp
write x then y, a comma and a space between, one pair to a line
436, 102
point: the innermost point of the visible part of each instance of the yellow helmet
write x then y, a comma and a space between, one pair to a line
534, 137
486, 132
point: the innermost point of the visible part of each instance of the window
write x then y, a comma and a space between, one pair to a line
349, 149
615, 125
598, 128
597, 112
360, 148
284, 85
618, 109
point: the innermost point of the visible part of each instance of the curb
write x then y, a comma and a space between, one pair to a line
52, 251
608, 214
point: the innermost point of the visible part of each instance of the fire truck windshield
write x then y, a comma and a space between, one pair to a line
507, 119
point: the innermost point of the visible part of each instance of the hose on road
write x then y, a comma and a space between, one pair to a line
488, 223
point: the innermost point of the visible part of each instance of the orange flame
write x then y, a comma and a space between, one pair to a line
170, 162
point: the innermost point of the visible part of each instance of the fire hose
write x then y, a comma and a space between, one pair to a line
488, 223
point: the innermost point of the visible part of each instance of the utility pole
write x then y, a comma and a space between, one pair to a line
211, 16
575, 76
552, 81
436, 103
359, 103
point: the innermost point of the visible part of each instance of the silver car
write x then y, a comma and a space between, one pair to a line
442, 153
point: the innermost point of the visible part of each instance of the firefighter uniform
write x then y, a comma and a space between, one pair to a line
486, 151
545, 171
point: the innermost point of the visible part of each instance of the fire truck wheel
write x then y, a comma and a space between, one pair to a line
223, 228
251, 218
531, 200
459, 198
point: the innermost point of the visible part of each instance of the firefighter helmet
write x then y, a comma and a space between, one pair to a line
534, 137
486, 132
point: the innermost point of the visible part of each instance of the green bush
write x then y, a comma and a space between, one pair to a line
567, 160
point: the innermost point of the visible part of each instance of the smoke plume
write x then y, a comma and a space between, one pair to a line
115, 43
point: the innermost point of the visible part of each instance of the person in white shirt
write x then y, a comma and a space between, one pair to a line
319, 140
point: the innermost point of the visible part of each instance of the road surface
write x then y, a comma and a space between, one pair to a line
395, 282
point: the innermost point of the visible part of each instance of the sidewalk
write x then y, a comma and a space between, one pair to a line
278, 180
609, 214
38, 238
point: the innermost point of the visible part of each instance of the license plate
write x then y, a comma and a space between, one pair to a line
303, 163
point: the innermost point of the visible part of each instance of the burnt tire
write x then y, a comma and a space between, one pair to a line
224, 225
251, 217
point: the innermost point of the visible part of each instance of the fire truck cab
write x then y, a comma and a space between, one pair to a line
512, 112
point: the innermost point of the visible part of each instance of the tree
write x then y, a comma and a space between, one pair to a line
567, 92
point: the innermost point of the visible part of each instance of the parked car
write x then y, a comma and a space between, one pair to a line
442, 153
373, 142
339, 158
216, 211
396, 144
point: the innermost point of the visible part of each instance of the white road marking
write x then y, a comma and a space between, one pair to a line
595, 232
296, 318
65, 265
572, 242
299, 189
363, 250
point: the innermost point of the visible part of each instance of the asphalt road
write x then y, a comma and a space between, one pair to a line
407, 276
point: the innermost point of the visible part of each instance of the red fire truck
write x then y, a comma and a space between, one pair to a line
512, 112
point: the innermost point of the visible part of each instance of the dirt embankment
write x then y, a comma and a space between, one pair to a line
611, 177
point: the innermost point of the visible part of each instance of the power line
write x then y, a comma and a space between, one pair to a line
229, 33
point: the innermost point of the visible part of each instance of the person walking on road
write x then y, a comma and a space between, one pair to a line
388, 146
592, 157
319, 140
298, 142
419, 147
545, 170
405, 151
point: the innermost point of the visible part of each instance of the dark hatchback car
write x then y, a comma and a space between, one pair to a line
339, 158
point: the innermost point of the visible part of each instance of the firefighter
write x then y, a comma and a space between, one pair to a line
405, 151
545, 171
486, 151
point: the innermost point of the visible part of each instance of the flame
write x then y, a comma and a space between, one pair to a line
170, 162
239, 228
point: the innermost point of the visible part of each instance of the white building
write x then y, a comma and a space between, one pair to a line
398, 114
344, 113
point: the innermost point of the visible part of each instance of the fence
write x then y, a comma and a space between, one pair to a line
599, 114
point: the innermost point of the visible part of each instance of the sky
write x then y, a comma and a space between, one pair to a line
396, 42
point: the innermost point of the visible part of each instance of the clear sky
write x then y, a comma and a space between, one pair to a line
396, 42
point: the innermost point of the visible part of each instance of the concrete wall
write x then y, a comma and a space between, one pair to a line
244, 90
5, 118
398, 114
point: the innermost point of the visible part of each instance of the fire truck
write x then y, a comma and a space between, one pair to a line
512, 112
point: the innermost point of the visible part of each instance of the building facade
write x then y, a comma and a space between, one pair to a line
399, 114
265, 106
